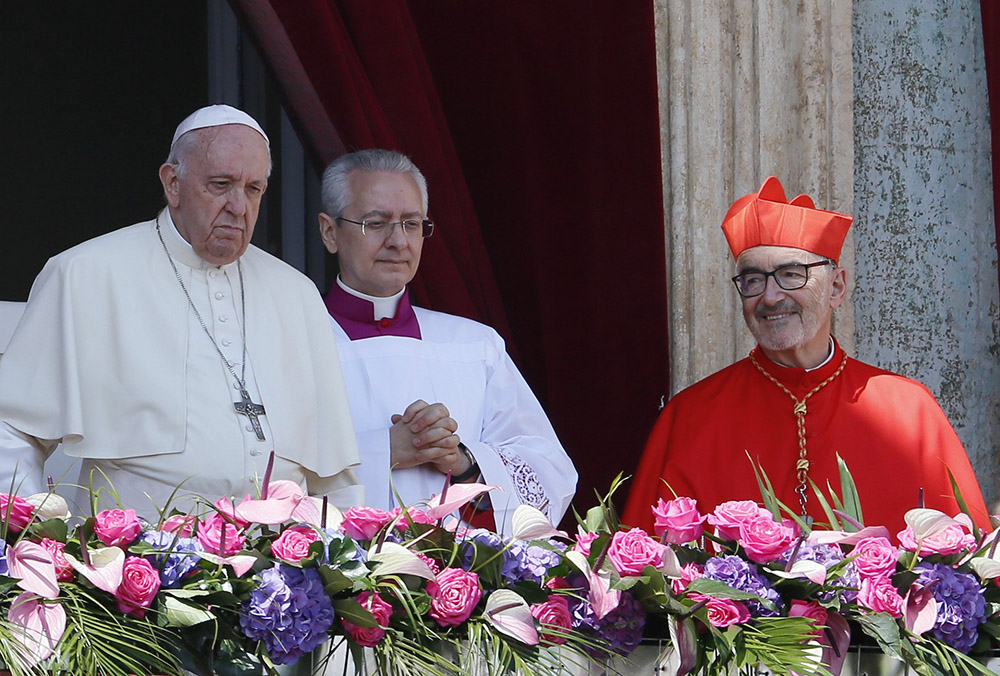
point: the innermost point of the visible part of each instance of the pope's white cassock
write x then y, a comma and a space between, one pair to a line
110, 359
393, 354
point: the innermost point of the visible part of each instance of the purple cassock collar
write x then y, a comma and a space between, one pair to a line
356, 316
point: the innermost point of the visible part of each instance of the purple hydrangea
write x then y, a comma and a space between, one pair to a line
961, 606
741, 575
478, 536
175, 557
3, 558
289, 611
847, 583
525, 561
621, 628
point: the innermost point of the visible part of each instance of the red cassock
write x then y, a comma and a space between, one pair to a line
889, 429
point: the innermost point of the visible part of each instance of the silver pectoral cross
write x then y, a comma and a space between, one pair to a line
251, 410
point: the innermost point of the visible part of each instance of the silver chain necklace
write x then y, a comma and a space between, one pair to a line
247, 406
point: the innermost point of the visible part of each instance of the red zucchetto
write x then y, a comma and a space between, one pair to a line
766, 217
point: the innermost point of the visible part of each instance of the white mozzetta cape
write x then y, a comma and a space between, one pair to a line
464, 365
102, 360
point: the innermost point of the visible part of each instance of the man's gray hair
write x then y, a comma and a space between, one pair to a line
182, 149
336, 191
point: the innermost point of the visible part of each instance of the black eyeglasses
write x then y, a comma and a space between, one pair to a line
381, 228
788, 277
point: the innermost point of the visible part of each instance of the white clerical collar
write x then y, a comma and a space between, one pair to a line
823, 363
180, 249
382, 307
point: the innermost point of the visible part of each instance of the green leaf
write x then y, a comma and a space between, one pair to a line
852, 501
354, 612
180, 614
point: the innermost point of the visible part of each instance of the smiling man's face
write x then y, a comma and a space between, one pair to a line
792, 327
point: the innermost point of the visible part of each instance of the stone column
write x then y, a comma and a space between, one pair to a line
926, 292
746, 90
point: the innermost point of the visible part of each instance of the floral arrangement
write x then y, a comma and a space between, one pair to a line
241, 587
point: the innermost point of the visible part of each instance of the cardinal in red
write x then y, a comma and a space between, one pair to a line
798, 401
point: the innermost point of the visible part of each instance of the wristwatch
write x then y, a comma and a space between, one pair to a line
473, 470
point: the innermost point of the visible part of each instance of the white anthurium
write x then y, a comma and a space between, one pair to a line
529, 523
839, 537
334, 518
511, 615
49, 506
394, 559
240, 563
927, 522
987, 567
671, 564
811, 570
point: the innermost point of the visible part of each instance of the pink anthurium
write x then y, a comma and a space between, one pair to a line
37, 626
836, 537
919, 609
603, 599
926, 522
241, 563
511, 615
105, 569
285, 501
811, 570
456, 497
528, 523
32, 564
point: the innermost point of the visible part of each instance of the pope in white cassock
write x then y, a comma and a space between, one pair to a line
430, 392
174, 351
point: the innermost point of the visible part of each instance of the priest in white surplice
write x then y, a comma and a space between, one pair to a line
174, 351
430, 392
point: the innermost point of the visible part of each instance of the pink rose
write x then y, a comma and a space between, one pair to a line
16, 511
431, 563
951, 539
64, 571
454, 595
689, 573
879, 594
369, 637
181, 524
630, 552
811, 610
228, 509
416, 516
117, 527
728, 516
138, 588
723, 612
561, 583
554, 619
293, 544
764, 539
363, 523
679, 520
583, 542
219, 536
874, 557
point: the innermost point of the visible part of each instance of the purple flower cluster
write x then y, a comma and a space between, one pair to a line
524, 561
961, 606
846, 584
3, 558
174, 557
621, 628
743, 576
289, 611
480, 536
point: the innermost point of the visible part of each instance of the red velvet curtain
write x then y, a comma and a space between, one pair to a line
991, 34
546, 113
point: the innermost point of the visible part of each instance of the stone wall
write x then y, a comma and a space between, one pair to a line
926, 297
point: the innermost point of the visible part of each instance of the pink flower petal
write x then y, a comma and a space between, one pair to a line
510, 614
270, 512
37, 626
602, 597
458, 496
927, 522
105, 569
32, 564
836, 537
240, 563
919, 610
835, 652
309, 510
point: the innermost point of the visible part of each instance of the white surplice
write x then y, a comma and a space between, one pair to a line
110, 359
464, 365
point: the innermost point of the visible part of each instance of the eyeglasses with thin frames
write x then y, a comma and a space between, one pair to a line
380, 228
788, 277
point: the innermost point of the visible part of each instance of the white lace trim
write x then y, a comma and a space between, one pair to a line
529, 489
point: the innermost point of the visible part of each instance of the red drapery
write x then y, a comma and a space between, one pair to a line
991, 33
553, 111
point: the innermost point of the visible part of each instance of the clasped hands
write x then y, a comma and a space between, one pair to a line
426, 434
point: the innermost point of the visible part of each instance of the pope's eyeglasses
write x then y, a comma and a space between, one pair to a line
382, 228
789, 277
